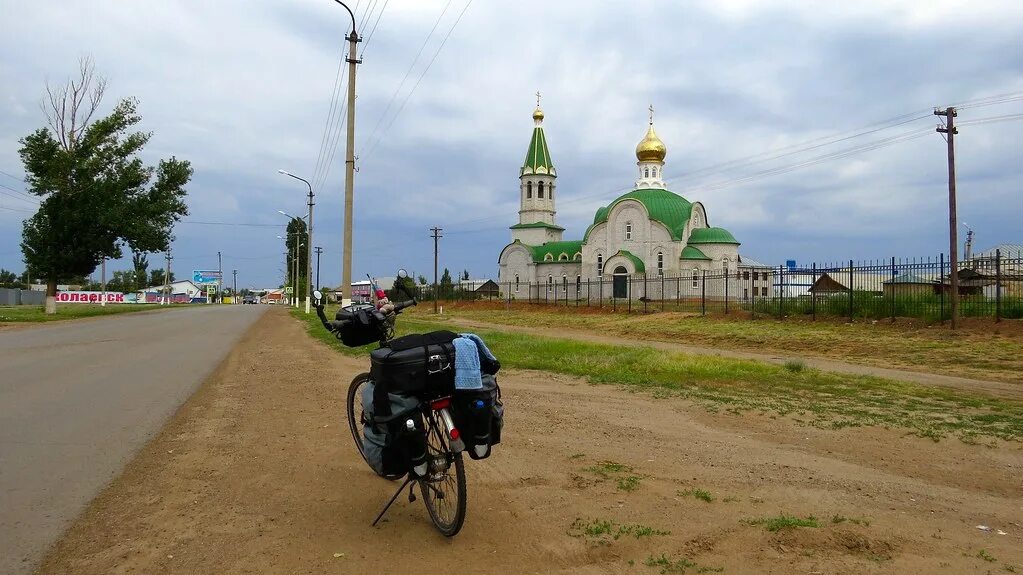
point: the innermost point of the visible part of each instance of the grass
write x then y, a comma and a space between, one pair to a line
606, 530
681, 565
784, 522
982, 353
621, 473
795, 365
812, 397
35, 314
701, 494
983, 554
855, 521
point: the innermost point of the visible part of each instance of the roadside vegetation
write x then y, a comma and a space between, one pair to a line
809, 397
31, 313
992, 351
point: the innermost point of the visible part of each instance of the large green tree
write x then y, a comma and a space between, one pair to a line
297, 227
98, 195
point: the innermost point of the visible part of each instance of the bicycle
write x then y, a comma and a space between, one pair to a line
441, 477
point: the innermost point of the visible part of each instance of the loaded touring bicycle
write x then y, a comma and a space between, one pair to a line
427, 399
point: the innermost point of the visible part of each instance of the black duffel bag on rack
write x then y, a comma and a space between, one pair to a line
417, 363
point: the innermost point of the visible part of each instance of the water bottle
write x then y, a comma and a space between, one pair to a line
417, 448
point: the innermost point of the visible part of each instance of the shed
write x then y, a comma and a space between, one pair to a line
908, 284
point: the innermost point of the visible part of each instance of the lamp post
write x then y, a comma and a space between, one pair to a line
283, 213
293, 269
309, 238
346, 260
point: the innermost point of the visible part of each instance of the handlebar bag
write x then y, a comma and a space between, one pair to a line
479, 416
362, 327
393, 447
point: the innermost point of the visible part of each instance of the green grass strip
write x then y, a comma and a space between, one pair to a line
35, 314
810, 396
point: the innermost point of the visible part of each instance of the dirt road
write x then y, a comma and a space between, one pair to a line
257, 474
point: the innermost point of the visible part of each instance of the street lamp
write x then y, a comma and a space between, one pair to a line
309, 239
294, 266
346, 260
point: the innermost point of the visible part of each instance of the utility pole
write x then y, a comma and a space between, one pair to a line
319, 251
346, 261
103, 294
234, 290
436, 238
309, 260
166, 281
220, 280
950, 129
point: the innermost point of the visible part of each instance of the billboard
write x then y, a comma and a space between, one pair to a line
89, 297
206, 276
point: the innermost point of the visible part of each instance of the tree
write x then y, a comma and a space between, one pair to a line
156, 277
140, 265
98, 196
9, 279
465, 275
445, 283
422, 280
402, 289
297, 226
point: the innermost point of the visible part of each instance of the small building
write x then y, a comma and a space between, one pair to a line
483, 288
839, 281
908, 284
180, 290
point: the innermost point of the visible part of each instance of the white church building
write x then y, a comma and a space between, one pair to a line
649, 233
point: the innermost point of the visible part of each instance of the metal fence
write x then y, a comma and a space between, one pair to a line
917, 288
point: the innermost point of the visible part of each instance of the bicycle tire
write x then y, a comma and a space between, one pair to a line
449, 527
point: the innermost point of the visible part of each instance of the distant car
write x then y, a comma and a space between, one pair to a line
250, 299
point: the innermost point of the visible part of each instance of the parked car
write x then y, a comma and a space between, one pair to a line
250, 299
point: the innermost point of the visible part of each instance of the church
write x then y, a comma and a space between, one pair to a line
649, 232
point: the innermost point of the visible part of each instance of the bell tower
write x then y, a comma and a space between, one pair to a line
537, 189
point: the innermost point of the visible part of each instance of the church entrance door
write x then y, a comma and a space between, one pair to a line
621, 282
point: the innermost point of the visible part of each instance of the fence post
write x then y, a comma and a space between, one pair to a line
781, 292
703, 293
726, 292
678, 291
645, 298
628, 293
662, 291
850, 290
941, 284
600, 292
998, 286
813, 294
894, 287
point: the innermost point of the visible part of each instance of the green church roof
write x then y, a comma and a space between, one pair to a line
536, 225
638, 263
712, 236
555, 249
668, 208
538, 156
692, 253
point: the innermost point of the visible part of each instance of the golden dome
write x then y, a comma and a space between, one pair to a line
538, 113
651, 148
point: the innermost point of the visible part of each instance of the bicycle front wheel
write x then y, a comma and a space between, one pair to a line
443, 487
356, 417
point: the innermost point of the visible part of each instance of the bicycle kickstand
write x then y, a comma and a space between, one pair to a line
393, 497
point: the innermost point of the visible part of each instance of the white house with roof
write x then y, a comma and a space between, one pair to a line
649, 232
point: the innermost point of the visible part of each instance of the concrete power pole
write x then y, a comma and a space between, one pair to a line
950, 129
234, 290
436, 238
220, 280
319, 251
346, 260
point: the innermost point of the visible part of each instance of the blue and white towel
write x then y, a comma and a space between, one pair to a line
468, 349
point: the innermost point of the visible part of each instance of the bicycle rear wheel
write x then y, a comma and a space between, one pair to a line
443, 487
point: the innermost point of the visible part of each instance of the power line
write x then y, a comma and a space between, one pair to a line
232, 224
421, 76
365, 43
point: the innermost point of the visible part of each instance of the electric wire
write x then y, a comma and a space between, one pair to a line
421, 76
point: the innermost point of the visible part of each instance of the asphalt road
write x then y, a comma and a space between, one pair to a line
78, 399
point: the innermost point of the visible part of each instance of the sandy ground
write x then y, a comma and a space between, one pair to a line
257, 474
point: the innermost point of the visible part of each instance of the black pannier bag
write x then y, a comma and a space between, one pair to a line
415, 363
363, 327
394, 444
479, 416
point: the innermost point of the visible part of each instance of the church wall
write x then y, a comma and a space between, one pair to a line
535, 236
516, 260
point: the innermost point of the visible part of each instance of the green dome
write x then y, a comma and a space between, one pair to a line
670, 209
712, 236
692, 253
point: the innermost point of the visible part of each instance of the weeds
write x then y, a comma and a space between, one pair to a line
983, 554
795, 365
701, 494
606, 530
617, 471
856, 521
669, 565
784, 522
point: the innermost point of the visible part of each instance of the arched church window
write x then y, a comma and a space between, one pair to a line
539, 190
578, 256
660, 263
564, 283
550, 282
516, 282
724, 265
548, 258
646, 172
600, 265
628, 230
529, 190
696, 277
563, 257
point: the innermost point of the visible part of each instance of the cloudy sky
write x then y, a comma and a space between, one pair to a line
749, 95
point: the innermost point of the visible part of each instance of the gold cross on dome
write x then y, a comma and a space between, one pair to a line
651, 114
538, 99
